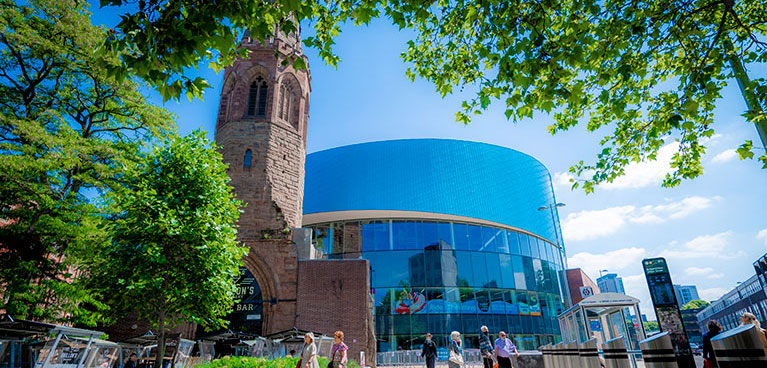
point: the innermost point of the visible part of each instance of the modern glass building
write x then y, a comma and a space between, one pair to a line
458, 234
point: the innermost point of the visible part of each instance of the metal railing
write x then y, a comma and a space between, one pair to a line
412, 358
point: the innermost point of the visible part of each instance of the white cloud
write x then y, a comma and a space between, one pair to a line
686, 206
714, 139
698, 271
562, 180
705, 246
586, 225
706, 272
725, 156
614, 260
636, 286
647, 172
711, 294
762, 235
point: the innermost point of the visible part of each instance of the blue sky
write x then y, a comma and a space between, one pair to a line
710, 229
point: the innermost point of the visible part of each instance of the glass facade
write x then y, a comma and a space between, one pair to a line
430, 276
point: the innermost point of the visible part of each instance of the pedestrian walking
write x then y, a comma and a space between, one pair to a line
429, 351
338, 351
709, 359
455, 360
503, 350
486, 347
309, 352
750, 319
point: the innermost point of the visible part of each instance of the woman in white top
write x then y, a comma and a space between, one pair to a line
455, 351
309, 352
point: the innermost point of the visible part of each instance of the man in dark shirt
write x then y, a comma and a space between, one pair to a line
429, 351
486, 347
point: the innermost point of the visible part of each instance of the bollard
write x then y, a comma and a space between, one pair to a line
559, 359
658, 351
589, 355
739, 347
572, 359
615, 353
546, 353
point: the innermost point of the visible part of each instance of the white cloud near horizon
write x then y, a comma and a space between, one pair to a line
615, 260
586, 225
706, 272
636, 286
711, 294
712, 246
725, 156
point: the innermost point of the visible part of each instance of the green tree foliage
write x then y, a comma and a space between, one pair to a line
696, 304
644, 73
67, 133
651, 326
173, 254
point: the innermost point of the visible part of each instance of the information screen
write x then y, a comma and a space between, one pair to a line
667, 310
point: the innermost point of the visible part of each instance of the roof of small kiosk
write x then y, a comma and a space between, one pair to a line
292, 333
602, 300
147, 339
23, 328
609, 299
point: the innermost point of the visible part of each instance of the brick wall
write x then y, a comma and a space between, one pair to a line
335, 295
577, 278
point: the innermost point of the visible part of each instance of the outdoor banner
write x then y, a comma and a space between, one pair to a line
498, 307
410, 302
246, 314
535, 305
512, 308
667, 309
522, 301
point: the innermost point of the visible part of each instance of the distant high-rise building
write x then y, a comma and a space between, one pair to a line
685, 293
611, 283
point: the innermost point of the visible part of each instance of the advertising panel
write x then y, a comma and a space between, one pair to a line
667, 309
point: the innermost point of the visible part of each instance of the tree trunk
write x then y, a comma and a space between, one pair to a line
160, 361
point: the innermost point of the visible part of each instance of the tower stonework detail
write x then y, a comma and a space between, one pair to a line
261, 126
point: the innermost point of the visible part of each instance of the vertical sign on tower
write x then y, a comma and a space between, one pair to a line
667, 309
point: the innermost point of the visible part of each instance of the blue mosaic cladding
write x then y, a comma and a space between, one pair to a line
462, 178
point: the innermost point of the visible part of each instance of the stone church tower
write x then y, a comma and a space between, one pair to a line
261, 125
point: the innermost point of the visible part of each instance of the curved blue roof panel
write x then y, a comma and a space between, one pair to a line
443, 176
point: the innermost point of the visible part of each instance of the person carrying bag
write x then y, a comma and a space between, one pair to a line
455, 359
338, 352
308, 353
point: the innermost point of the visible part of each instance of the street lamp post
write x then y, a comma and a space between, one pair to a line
553, 219
562, 293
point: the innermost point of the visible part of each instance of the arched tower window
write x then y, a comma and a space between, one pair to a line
257, 97
287, 103
248, 159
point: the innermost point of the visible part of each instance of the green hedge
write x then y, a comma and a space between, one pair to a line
248, 362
